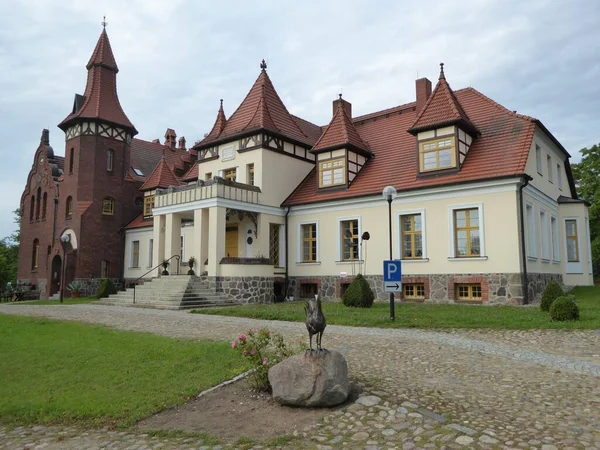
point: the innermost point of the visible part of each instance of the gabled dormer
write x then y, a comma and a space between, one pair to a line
341, 153
443, 131
161, 177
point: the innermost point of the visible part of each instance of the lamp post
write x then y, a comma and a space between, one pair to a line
64, 243
389, 194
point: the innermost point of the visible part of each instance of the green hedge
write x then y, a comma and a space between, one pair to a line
551, 293
563, 309
106, 288
359, 294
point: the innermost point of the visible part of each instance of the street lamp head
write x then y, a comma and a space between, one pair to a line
389, 193
65, 238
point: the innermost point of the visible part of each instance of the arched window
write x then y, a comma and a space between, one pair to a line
69, 207
71, 156
35, 254
110, 156
44, 203
108, 206
32, 211
37, 204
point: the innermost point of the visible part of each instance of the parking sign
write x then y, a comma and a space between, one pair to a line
392, 276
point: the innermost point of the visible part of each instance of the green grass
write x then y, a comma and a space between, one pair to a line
422, 315
66, 301
54, 372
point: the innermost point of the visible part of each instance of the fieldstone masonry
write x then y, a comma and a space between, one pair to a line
243, 289
497, 288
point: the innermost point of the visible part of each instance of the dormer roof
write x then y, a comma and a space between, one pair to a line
162, 177
341, 133
442, 109
217, 128
262, 109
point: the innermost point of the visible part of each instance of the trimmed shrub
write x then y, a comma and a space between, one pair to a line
106, 288
564, 308
551, 293
359, 294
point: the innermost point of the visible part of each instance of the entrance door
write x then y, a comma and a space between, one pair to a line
231, 242
55, 275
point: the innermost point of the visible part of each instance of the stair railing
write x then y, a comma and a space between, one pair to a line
155, 267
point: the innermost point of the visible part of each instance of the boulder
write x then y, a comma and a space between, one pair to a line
317, 378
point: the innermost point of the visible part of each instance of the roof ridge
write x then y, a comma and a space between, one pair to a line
393, 109
283, 104
498, 105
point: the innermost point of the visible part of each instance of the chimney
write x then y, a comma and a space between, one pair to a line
170, 137
156, 141
45, 139
346, 105
182, 143
423, 86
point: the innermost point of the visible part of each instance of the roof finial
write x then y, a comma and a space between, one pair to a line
221, 103
442, 76
104, 23
263, 65
340, 95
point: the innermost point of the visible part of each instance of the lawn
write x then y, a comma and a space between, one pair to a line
422, 315
66, 301
55, 372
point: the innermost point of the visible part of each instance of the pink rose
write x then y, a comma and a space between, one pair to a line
253, 352
245, 352
242, 337
233, 345
265, 361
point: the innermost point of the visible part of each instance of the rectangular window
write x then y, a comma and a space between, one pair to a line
104, 269
308, 290
549, 166
108, 207
572, 240
466, 233
250, 174
332, 172
110, 155
208, 176
468, 292
181, 251
274, 243
411, 236
309, 242
148, 205
135, 254
230, 174
545, 236
554, 237
414, 291
531, 236
436, 155
559, 176
150, 251
538, 159
349, 239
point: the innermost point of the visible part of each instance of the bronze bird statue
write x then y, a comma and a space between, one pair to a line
315, 321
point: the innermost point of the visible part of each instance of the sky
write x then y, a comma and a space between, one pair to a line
177, 58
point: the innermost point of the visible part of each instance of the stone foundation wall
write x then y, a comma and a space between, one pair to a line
243, 289
497, 288
33, 294
90, 286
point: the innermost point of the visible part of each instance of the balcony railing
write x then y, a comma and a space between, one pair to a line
202, 190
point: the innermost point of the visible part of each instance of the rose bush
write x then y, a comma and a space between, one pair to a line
263, 350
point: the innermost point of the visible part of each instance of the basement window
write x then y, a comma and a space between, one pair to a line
307, 290
468, 292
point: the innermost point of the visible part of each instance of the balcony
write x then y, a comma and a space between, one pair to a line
203, 190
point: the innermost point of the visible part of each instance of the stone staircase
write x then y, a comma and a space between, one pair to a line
170, 292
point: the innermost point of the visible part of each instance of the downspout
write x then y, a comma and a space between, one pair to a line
287, 254
524, 280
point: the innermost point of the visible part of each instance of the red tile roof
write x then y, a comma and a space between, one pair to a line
500, 151
161, 177
140, 222
192, 174
442, 108
217, 128
262, 109
340, 133
146, 155
101, 99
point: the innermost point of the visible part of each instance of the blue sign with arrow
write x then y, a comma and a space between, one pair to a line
392, 276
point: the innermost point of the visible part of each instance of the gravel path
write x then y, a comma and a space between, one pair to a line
535, 389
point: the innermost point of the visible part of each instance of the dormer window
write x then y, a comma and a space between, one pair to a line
148, 205
437, 154
332, 172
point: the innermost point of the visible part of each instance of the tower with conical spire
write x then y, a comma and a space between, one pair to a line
98, 137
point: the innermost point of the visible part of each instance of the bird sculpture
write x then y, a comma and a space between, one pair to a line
315, 321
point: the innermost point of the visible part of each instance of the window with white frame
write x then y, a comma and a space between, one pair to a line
332, 172
554, 237
538, 159
572, 240
559, 176
411, 236
467, 233
349, 235
150, 251
531, 236
549, 166
308, 242
545, 236
135, 254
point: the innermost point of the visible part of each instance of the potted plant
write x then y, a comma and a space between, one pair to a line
75, 289
165, 264
191, 263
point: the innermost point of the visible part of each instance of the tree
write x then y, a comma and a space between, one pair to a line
9, 255
587, 179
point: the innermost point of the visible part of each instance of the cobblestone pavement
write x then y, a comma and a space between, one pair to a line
424, 389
